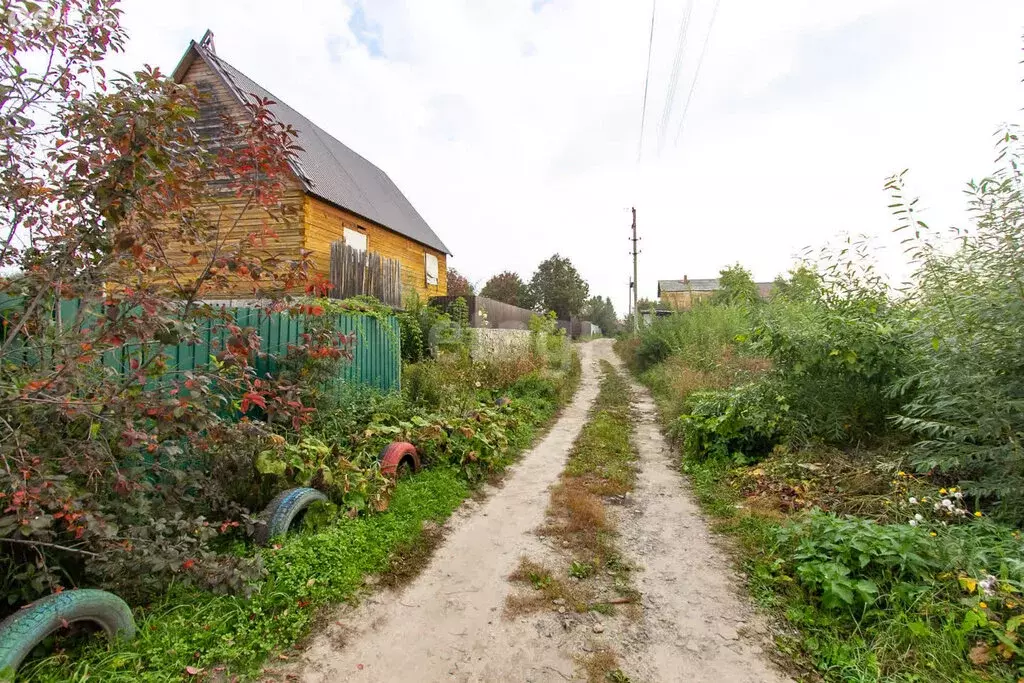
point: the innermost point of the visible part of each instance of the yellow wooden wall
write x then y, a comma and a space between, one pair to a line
236, 220
683, 301
324, 224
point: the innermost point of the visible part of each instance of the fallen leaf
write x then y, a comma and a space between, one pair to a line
193, 671
979, 654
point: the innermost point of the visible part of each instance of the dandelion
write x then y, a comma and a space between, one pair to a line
943, 491
977, 513
987, 585
901, 473
946, 503
1011, 604
958, 495
913, 522
982, 605
913, 501
932, 533
918, 517
952, 489
477, 385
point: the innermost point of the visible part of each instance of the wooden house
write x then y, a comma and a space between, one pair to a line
681, 295
335, 194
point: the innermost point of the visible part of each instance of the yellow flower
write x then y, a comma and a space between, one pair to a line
943, 491
933, 534
982, 605
978, 513
901, 474
952, 490
1011, 604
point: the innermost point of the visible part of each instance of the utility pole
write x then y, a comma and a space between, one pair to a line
635, 286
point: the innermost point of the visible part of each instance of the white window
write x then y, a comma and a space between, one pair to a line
355, 239
430, 261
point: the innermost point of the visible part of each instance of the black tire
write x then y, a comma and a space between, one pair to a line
21, 632
283, 510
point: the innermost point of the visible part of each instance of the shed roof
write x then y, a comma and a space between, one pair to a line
705, 285
327, 168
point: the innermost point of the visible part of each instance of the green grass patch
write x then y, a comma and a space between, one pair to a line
310, 570
603, 449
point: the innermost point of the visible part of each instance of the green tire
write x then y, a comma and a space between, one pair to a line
21, 632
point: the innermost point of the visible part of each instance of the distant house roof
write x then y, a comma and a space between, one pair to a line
327, 168
707, 285
764, 289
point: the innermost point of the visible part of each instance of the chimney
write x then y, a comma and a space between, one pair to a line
686, 280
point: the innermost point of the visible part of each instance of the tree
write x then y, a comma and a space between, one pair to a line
803, 284
508, 288
113, 194
736, 286
601, 312
557, 286
458, 284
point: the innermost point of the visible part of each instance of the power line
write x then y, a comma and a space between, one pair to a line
696, 74
673, 81
647, 80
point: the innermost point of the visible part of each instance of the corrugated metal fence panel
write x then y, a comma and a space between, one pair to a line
376, 353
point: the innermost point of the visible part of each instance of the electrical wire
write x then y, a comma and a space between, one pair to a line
673, 81
647, 80
696, 74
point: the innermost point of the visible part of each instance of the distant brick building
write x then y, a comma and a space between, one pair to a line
682, 294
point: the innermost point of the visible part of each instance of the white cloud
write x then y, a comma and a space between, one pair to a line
512, 126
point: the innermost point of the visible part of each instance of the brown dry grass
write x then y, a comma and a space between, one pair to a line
598, 665
546, 588
591, 576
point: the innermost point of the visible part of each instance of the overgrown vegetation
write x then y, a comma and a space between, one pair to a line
463, 433
864, 444
120, 468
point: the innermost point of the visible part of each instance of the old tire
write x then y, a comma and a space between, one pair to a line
397, 455
282, 511
29, 626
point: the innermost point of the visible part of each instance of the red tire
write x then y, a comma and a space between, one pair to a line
397, 454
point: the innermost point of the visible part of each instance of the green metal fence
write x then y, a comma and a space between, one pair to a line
376, 361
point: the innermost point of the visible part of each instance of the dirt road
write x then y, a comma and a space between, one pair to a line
448, 624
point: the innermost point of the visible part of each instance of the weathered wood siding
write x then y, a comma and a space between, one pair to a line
235, 219
325, 224
683, 301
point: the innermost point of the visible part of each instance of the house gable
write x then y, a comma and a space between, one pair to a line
320, 220
328, 169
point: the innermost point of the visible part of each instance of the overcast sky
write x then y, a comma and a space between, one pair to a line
513, 126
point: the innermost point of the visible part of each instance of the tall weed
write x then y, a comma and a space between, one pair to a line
964, 398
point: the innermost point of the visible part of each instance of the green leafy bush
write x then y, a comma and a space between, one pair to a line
837, 358
963, 400
700, 335
742, 423
847, 562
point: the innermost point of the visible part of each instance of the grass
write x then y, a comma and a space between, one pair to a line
222, 636
310, 570
914, 632
594, 576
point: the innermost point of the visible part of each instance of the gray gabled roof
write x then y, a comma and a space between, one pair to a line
327, 168
707, 285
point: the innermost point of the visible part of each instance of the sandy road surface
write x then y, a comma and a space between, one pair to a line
448, 624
